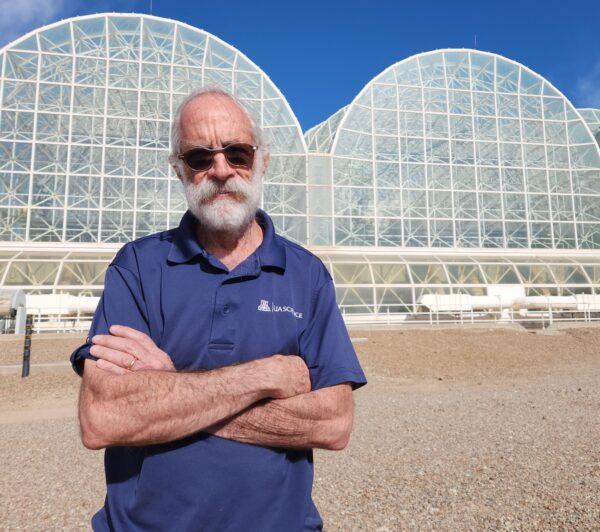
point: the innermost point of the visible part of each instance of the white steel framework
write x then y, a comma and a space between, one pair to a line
457, 148
451, 172
85, 112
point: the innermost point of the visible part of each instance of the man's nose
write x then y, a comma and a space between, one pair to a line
220, 168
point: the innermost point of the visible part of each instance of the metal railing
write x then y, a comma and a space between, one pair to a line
53, 320
48, 321
352, 315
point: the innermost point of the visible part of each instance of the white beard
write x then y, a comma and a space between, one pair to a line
229, 214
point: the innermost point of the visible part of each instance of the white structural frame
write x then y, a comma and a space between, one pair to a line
131, 66
540, 231
305, 194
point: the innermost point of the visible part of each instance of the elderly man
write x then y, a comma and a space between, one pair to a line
217, 357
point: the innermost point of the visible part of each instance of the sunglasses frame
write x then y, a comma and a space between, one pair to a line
214, 151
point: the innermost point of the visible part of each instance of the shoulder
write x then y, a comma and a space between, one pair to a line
301, 261
143, 250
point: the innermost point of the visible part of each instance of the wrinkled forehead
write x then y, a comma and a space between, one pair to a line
214, 119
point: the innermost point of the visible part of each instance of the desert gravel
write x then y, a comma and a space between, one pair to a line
458, 429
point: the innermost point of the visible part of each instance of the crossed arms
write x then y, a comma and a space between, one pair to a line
264, 402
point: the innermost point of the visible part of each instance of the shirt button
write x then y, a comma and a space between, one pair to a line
226, 309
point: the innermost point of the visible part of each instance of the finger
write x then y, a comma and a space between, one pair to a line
133, 334
121, 344
119, 358
110, 367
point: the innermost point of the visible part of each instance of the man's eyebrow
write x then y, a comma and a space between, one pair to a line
189, 145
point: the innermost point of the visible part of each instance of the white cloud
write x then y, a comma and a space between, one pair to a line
19, 17
588, 88
22, 16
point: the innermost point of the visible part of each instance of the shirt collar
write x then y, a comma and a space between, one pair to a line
185, 246
271, 251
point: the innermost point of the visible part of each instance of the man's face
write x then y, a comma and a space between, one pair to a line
224, 197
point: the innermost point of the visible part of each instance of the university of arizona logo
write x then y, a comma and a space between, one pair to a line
264, 306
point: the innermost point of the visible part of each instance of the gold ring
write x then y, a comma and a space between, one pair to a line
131, 363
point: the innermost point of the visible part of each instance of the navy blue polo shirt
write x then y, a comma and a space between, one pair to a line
281, 299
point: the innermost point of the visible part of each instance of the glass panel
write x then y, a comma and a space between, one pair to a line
355, 300
465, 274
394, 300
31, 273
83, 273
391, 273
569, 274
355, 231
428, 274
535, 274
500, 274
351, 273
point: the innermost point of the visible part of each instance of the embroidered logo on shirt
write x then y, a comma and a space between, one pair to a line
265, 307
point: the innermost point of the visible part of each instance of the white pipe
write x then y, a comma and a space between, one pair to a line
544, 302
60, 304
462, 302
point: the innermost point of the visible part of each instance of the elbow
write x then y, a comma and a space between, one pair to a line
338, 444
94, 433
92, 441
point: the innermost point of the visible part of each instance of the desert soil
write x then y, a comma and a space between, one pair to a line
458, 429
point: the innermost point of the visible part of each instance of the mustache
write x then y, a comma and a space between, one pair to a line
209, 189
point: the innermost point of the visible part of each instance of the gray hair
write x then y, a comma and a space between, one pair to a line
257, 133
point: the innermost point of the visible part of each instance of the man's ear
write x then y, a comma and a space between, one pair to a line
266, 159
177, 168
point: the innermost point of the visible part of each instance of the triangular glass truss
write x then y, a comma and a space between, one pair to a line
21, 65
56, 68
82, 273
89, 37
56, 39
30, 273
189, 47
158, 39
124, 37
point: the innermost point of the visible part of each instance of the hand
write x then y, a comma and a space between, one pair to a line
125, 350
290, 375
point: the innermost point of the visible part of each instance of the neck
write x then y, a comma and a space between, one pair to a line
231, 248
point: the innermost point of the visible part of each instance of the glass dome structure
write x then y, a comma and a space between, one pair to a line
458, 148
453, 173
85, 112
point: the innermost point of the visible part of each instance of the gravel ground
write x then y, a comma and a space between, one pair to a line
458, 429
44, 348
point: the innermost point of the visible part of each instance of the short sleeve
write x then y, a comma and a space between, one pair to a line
122, 303
326, 346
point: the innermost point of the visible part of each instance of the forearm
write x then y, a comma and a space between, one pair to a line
159, 406
319, 419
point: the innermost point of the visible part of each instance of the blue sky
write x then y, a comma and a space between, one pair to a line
321, 53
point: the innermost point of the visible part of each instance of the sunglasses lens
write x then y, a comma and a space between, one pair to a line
239, 155
199, 159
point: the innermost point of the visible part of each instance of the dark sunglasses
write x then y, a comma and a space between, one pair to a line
201, 159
